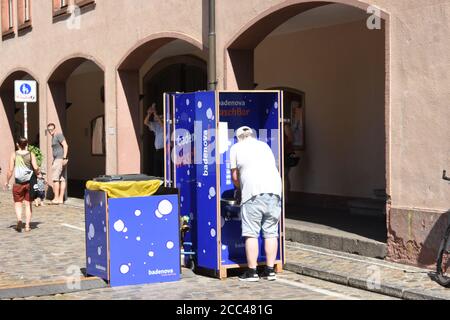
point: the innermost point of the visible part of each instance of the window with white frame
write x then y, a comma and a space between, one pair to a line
27, 10
10, 14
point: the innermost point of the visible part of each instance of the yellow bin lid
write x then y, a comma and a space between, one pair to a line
126, 189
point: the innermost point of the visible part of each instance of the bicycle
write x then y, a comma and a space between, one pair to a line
443, 261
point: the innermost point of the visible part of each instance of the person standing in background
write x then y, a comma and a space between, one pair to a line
60, 149
154, 123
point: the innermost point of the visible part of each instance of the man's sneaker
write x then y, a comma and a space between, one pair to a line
250, 276
269, 274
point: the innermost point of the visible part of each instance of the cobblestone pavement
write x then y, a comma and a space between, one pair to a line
289, 286
56, 243
47, 252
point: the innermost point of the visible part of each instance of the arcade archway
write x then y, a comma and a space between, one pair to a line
326, 52
12, 117
77, 107
162, 63
176, 74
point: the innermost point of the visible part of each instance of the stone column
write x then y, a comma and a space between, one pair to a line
111, 120
128, 123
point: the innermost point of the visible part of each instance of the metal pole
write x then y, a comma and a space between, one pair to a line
212, 77
25, 119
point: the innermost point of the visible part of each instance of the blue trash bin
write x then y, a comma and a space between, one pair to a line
133, 240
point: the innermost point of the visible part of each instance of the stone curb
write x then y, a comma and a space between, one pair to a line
370, 249
49, 289
354, 282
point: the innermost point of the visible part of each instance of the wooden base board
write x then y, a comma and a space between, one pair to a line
223, 272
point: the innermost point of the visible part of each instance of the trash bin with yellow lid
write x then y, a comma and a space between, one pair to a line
132, 231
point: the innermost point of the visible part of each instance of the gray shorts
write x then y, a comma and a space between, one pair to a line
261, 212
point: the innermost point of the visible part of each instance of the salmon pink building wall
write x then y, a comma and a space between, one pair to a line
121, 35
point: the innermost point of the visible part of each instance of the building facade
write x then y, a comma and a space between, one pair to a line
367, 90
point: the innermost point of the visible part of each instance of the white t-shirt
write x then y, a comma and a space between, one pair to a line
257, 168
158, 130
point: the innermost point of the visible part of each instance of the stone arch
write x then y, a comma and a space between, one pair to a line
139, 53
129, 95
324, 100
11, 116
74, 98
239, 50
64, 68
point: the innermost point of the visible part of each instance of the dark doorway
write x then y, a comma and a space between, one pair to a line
76, 88
179, 74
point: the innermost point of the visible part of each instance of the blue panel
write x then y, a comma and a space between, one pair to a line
233, 245
144, 240
168, 131
195, 118
184, 161
258, 110
96, 233
205, 150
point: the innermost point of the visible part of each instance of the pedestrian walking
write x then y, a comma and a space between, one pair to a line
22, 165
254, 171
60, 149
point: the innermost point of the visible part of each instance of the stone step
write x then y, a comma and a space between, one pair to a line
318, 235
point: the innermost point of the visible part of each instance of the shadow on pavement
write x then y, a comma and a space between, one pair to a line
33, 225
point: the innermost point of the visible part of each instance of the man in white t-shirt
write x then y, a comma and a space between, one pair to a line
255, 172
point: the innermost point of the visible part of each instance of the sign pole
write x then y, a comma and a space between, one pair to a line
25, 91
25, 119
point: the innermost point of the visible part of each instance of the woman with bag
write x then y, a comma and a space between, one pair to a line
22, 165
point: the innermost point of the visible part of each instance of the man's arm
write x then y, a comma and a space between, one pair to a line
235, 177
150, 111
66, 151
234, 167
147, 118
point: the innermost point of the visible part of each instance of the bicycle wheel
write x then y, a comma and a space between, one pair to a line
443, 261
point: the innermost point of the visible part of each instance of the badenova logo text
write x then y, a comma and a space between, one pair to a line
205, 154
157, 272
238, 108
101, 268
233, 103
